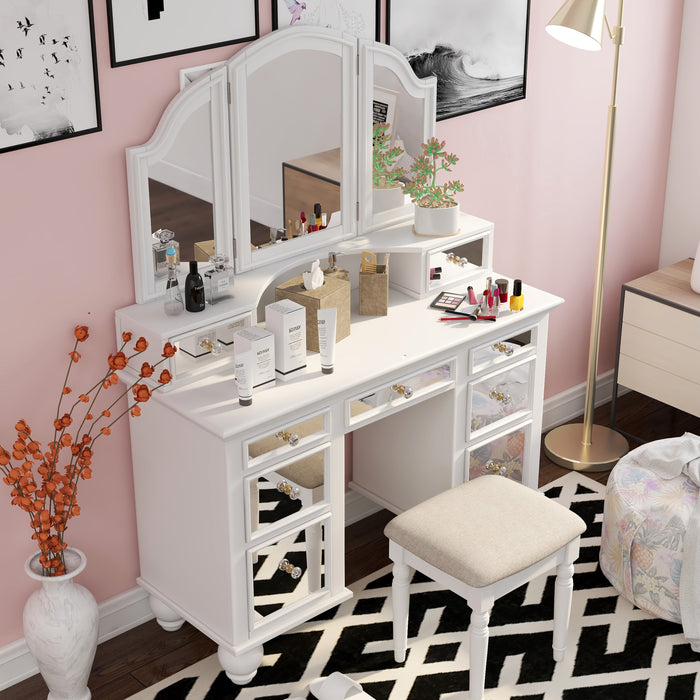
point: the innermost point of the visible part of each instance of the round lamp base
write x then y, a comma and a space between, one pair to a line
564, 446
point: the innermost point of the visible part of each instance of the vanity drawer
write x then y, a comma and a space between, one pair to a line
286, 440
503, 455
506, 349
391, 397
286, 491
499, 397
287, 572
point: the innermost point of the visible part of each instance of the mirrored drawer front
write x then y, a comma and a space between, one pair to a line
285, 572
401, 393
281, 493
499, 397
502, 350
285, 440
503, 455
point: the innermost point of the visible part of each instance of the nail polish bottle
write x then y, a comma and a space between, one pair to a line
517, 298
194, 289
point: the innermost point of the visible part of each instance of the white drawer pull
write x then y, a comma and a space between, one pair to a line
294, 571
291, 438
405, 391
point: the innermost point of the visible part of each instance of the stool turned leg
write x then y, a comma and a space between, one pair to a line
563, 590
399, 605
478, 648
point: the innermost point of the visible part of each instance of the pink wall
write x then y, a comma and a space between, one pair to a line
533, 167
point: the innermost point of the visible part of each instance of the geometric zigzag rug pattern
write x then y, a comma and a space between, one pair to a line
614, 652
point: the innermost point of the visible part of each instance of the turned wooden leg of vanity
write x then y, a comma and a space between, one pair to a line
166, 617
240, 668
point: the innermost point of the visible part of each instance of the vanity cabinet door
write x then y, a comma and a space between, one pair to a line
498, 398
503, 455
287, 573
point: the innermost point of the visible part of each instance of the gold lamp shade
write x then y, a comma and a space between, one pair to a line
579, 23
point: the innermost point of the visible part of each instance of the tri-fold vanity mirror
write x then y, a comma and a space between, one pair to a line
283, 126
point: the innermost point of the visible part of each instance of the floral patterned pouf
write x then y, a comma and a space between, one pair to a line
644, 523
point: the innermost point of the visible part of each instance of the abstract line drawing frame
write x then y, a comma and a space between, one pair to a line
49, 88
144, 30
359, 18
477, 49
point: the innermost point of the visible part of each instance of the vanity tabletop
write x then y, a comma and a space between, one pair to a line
378, 349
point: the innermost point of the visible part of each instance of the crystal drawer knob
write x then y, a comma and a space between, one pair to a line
498, 467
405, 391
500, 396
287, 488
294, 571
291, 438
507, 350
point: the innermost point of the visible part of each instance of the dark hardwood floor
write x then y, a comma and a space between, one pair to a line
147, 654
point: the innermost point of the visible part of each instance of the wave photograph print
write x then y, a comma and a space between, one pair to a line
477, 49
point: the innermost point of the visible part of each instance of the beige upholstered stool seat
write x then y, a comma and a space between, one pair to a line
485, 530
482, 540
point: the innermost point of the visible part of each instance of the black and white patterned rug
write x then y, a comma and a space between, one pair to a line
614, 652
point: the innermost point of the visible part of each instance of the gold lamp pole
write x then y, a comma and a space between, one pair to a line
590, 447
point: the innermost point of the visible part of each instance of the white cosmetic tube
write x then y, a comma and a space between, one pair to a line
243, 362
326, 337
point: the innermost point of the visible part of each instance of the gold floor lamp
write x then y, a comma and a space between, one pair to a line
590, 447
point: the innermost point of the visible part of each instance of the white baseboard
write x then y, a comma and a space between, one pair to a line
130, 609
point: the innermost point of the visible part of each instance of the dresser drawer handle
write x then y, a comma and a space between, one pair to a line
291, 438
287, 488
405, 391
294, 571
507, 350
500, 396
499, 467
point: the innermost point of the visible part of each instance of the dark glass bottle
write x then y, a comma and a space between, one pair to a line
194, 289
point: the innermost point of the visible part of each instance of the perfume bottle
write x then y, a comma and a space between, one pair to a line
173, 303
194, 289
164, 239
219, 278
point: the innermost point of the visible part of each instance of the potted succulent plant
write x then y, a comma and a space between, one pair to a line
387, 190
436, 210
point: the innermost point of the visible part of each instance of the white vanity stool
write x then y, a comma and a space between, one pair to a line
481, 540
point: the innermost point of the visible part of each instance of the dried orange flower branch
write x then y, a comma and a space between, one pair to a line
42, 487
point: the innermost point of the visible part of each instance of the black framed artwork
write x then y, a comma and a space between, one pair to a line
358, 18
48, 72
477, 49
143, 30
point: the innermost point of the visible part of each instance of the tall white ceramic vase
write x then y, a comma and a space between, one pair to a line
60, 628
695, 272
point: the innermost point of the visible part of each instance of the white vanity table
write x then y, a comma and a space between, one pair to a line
429, 403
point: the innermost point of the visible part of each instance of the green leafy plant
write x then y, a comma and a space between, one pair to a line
423, 188
384, 158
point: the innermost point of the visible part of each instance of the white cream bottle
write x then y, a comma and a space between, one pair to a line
243, 363
327, 319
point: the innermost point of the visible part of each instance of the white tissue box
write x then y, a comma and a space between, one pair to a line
262, 345
286, 320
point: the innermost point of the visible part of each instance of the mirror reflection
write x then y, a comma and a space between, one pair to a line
288, 570
180, 188
294, 145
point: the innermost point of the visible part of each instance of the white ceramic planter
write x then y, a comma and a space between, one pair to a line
384, 199
60, 628
436, 222
695, 272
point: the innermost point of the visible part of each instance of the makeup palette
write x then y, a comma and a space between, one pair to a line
447, 301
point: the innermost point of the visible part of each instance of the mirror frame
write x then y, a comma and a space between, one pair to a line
241, 66
372, 55
211, 89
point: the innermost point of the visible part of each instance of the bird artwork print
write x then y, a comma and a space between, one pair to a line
295, 9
